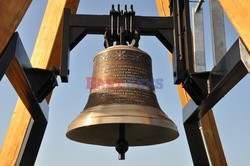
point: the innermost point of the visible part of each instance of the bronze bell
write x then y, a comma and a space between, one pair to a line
122, 108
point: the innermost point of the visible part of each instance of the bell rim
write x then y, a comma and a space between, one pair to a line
102, 113
172, 135
154, 119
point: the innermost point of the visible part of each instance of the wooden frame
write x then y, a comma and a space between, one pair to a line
46, 53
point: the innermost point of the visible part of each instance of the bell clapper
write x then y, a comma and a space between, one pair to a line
121, 144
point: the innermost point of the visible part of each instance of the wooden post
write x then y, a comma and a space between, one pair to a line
209, 131
11, 14
46, 53
239, 14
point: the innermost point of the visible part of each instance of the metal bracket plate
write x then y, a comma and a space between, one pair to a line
32, 85
223, 77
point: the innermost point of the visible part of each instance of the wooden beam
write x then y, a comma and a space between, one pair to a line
239, 14
17, 74
46, 53
15, 136
212, 139
163, 7
11, 14
209, 131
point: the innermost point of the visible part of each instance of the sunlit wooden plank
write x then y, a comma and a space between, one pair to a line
45, 54
239, 14
11, 14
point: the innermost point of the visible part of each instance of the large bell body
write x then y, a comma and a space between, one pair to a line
122, 93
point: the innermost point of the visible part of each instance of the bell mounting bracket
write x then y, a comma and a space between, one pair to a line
121, 28
124, 27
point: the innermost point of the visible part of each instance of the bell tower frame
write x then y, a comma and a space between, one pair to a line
17, 149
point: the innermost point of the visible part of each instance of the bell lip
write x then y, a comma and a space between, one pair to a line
129, 113
172, 135
124, 47
152, 118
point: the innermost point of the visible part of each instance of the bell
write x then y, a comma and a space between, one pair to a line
122, 109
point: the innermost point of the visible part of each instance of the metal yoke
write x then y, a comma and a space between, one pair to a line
126, 28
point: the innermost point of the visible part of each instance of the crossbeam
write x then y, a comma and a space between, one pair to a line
223, 77
17, 68
17, 71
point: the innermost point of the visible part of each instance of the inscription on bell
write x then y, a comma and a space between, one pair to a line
132, 67
129, 101
126, 71
123, 96
127, 92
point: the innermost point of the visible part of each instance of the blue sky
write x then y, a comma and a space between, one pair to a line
231, 113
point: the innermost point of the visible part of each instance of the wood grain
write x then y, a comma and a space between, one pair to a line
239, 14
46, 53
11, 14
